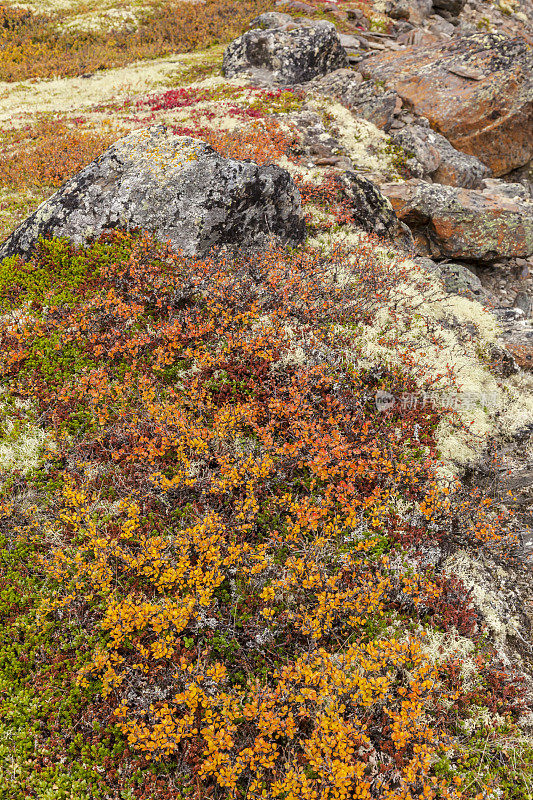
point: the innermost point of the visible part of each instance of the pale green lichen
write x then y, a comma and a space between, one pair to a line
483, 585
368, 147
159, 155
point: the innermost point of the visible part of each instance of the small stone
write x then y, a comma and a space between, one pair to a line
271, 19
365, 98
466, 72
328, 161
355, 13
372, 211
524, 301
453, 7
296, 5
350, 42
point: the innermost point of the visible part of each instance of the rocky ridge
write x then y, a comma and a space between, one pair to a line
464, 121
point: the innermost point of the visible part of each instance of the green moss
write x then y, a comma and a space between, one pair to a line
39, 656
59, 273
484, 24
54, 361
399, 158
54, 274
379, 25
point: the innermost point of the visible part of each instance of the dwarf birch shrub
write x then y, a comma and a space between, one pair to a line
38, 46
221, 518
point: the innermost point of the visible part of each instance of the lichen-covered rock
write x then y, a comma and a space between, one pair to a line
316, 142
176, 187
415, 11
517, 337
457, 168
420, 143
523, 175
372, 211
463, 223
286, 55
458, 279
366, 99
476, 90
507, 189
439, 159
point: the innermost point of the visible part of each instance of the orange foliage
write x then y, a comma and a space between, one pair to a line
243, 569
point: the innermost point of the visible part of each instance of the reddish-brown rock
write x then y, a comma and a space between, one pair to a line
463, 223
489, 115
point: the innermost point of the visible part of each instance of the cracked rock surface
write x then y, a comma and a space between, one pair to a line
450, 222
475, 90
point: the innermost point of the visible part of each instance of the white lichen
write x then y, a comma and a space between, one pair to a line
22, 443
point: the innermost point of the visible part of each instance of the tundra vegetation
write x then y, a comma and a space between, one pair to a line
214, 575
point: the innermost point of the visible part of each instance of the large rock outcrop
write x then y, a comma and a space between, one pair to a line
463, 223
476, 90
176, 187
285, 55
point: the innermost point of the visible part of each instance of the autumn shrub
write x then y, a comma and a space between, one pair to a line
49, 152
219, 518
35, 46
250, 102
263, 141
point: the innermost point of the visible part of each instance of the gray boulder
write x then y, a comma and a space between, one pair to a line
458, 279
512, 190
286, 55
174, 186
271, 19
316, 142
366, 99
372, 211
455, 223
452, 7
415, 11
439, 159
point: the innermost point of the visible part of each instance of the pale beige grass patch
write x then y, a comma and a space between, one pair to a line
20, 101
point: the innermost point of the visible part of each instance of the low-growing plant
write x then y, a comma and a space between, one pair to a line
218, 524
49, 152
34, 45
